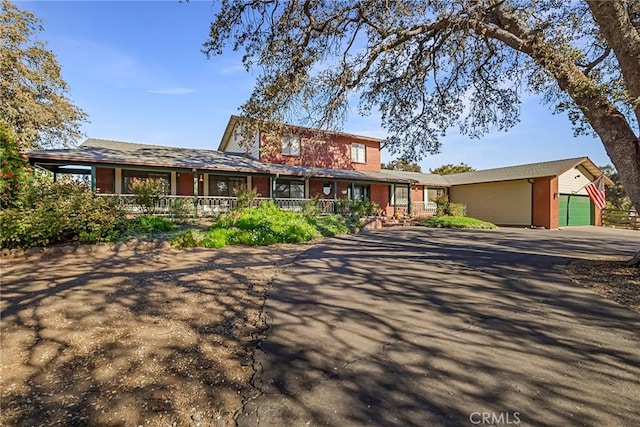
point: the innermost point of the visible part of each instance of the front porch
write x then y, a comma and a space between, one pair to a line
212, 206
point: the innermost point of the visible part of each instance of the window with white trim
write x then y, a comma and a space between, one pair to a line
291, 145
358, 153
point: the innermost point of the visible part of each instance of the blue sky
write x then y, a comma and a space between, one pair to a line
138, 71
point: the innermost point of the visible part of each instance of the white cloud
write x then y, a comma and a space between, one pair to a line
172, 91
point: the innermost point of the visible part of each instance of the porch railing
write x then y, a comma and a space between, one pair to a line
212, 206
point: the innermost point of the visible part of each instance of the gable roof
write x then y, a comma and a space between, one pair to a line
101, 151
531, 170
235, 120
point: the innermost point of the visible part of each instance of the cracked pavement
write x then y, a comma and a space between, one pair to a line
417, 326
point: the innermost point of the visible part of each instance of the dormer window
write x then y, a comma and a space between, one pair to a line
290, 145
358, 153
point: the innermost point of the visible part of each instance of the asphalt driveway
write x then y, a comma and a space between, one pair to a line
417, 326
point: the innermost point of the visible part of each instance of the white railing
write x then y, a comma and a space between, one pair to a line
215, 205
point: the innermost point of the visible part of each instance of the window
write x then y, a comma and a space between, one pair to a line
289, 189
129, 175
225, 186
358, 153
360, 192
434, 193
290, 145
402, 195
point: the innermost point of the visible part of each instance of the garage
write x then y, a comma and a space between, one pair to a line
575, 209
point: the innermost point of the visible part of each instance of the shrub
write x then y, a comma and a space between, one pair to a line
179, 208
457, 209
442, 205
188, 239
245, 198
311, 208
146, 192
16, 172
150, 224
356, 208
457, 222
66, 211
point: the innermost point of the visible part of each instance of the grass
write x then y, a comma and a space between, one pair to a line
458, 222
265, 225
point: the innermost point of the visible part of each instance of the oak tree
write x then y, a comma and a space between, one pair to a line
34, 99
450, 168
429, 65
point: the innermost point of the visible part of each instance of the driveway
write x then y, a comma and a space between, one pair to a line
429, 327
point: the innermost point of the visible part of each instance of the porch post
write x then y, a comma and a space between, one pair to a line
93, 178
118, 175
249, 183
307, 192
335, 196
195, 193
395, 201
272, 186
205, 184
409, 200
55, 176
353, 190
174, 183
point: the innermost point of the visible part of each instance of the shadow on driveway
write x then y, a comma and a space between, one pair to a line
416, 326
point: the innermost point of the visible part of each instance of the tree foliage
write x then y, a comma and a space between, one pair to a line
450, 168
616, 196
430, 65
16, 171
401, 164
34, 99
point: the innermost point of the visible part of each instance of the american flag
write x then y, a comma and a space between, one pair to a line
596, 192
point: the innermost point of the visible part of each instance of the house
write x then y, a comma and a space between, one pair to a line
305, 163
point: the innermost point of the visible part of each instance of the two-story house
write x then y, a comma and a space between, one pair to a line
302, 163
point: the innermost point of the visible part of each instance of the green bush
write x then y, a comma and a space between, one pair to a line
457, 222
245, 198
49, 213
16, 172
264, 225
356, 208
146, 193
188, 239
150, 224
180, 208
457, 209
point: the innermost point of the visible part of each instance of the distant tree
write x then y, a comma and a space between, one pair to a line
449, 169
616, 197
401, 164
34, 102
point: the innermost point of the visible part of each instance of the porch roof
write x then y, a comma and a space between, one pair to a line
106, 152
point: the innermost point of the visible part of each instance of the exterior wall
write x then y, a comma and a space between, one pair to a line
545, 202
316, 186
105, 180
381, 195
334, 153
573, 181
185, 183
503, 203
417, 193
261, 184
235, 144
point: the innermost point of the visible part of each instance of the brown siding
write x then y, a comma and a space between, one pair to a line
334, 153
381, 195
417, 193
546, 202
261, 185
185, 184
105, 179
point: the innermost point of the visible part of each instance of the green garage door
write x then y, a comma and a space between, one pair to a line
575, 210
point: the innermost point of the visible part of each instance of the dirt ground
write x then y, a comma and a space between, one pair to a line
158, 338
611, 279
